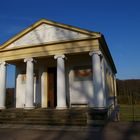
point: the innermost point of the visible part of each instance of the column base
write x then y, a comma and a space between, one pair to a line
3, 107
61, 108
33, 107
91, 106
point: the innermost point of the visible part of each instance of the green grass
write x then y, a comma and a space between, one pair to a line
126, 113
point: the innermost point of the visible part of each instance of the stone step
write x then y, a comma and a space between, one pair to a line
80, 117
42, 116
45, 119
45, 123
43, 113
54, 118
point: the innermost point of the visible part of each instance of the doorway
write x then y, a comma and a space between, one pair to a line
52, 96
10, 97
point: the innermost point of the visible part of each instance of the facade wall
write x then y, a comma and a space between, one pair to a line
109, 84
103, 73
79, 89
20, 89
80, 80
21, 86
43, 88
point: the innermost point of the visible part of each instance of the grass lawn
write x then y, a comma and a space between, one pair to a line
127, 111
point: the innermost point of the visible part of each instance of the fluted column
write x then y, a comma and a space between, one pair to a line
61, 82
29, 95
2, 84
98, 100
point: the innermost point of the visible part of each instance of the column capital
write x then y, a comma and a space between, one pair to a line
3, 63
29, 59
95, 52
59, 56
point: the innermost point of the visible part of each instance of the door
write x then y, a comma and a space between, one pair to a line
52, 97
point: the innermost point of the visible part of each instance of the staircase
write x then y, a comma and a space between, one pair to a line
71, 117
44, 117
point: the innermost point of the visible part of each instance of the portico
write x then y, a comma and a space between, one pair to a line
58, 65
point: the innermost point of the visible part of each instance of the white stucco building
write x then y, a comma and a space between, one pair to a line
58, 66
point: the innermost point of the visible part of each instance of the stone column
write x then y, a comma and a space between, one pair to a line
61, 82
103, 81
115, 90
97, 79
29, 91
2, 84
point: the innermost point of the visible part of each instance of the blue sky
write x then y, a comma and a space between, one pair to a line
118, 20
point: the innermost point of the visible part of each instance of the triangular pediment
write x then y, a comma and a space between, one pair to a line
45, 31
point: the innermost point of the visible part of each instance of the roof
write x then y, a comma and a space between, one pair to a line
49, 22
68, 27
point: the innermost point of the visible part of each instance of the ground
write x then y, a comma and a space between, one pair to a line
129, 112
111, 131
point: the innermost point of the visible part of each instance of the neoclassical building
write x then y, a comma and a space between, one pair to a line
58, 66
